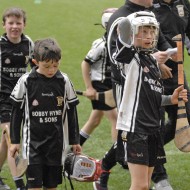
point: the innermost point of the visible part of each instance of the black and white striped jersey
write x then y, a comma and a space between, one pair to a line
97, 57
14, 59
140, 106
45, 103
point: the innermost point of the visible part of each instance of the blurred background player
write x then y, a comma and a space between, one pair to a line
176, 12
15, 50
96, 73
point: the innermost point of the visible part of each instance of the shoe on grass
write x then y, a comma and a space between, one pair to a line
163, 185
102, 183
3, 186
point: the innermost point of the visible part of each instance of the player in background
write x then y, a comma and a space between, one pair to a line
96, 71
44, 100
177, 13
15, 50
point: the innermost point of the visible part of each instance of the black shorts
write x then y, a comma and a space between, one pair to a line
43, 175
101, 87
140, 148
5, 108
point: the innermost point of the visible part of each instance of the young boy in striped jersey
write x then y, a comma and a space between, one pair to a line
45, 100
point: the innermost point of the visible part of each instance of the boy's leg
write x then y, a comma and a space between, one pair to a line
11, 161
159, 176
3, 157
111, 115
49, 176
108, 162
140, 176
52, 176
90, 125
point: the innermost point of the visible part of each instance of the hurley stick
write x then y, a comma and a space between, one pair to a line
105, 97
182, 133
21, 164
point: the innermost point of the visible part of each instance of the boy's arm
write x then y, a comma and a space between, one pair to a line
15, 124
73, 126
90, 91
179, 92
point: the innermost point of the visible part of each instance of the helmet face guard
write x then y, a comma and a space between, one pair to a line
145, 22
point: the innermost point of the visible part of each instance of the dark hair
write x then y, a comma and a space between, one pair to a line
14, 11
46, 50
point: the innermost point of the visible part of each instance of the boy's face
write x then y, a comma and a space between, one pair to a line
14, 27
48, 69
145, 37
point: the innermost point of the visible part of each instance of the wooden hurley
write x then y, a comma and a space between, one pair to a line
182, 133
21, 164
105, 97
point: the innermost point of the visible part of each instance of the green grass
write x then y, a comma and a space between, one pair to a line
71, 22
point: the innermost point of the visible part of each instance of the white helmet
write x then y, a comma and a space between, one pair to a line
128, 27
106, 15
143, 18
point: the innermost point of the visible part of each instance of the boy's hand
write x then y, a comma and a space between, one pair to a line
77, 149
90, 93
179, 92
161, 56
165, 71
14, 148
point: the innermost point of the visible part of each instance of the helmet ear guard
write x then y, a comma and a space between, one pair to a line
125, 32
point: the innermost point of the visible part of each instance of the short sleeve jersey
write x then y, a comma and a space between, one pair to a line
98, 59
14, 59
45, 101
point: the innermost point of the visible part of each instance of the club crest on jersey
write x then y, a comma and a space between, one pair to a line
7, 61
124, 135
180, 9
35, 102
59, 100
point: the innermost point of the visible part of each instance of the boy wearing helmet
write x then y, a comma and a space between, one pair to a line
96, 73
138, 123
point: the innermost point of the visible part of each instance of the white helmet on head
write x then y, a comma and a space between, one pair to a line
106, 15
129, 26
144, 18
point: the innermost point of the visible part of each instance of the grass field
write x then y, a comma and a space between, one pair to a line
71, 22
